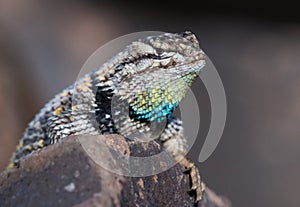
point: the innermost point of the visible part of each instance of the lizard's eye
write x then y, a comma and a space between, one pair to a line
164, 62
165, 59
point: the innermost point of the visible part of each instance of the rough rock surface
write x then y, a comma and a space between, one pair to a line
64, 175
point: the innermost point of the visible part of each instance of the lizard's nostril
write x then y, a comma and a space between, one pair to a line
188, 35
185, 33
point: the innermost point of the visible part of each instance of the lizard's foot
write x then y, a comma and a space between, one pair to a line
174, 141
197, 186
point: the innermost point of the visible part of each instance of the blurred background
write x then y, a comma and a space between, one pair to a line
254, 45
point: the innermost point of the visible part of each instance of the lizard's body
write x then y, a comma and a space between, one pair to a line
151, 76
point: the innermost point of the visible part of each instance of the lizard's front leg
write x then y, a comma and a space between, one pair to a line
174, 141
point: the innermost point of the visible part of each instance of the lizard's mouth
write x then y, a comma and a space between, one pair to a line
168, 63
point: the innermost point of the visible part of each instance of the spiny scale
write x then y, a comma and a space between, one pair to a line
149, 77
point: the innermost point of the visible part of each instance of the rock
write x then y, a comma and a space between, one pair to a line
63, 174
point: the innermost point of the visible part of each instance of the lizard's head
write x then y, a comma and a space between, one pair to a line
167, 51
153, 74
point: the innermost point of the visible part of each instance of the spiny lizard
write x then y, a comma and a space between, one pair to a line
151, 75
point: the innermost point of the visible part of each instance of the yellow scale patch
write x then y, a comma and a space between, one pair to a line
58, 111
162, 99
11, 165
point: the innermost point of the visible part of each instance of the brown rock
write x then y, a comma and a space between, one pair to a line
64, 175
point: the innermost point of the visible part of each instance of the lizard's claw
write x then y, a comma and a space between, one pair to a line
197, 186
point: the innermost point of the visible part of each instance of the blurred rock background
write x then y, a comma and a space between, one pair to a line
255, 48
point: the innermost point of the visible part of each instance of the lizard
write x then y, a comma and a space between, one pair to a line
150, 75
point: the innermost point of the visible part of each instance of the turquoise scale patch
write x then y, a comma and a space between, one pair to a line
156, 103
